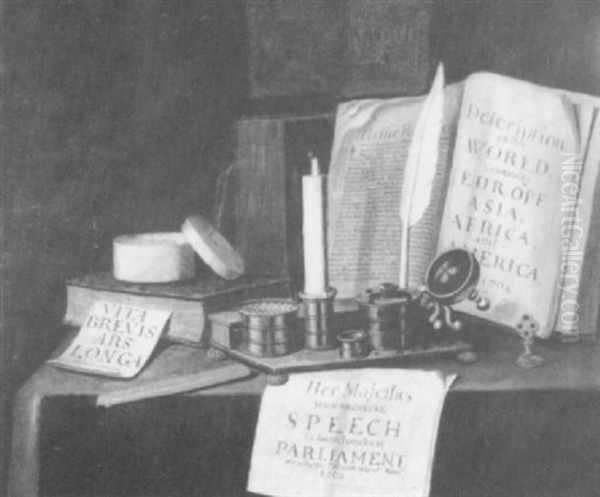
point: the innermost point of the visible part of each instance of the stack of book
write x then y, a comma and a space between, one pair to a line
190, 302
180, 363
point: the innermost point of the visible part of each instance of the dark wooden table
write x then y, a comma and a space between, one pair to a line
504, 431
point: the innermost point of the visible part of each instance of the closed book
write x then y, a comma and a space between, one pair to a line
189, 301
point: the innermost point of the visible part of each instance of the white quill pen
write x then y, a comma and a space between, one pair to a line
420, 168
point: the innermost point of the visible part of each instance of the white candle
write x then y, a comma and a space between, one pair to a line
313, 229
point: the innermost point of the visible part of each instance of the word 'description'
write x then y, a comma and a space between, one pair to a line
115, 340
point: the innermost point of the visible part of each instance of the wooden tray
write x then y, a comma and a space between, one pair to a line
223, 330
318, 360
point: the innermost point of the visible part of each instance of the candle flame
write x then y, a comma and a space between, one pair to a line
314, 164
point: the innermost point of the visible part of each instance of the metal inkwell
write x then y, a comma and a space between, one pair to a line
384, 313
396, 319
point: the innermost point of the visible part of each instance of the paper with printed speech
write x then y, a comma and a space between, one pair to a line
349, 433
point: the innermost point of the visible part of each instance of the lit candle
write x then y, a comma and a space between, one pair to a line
313, 229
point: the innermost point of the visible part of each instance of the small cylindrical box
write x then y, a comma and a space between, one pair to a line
269, 327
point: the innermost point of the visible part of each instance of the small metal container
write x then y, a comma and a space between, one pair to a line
354, 344
384, 316
269, 327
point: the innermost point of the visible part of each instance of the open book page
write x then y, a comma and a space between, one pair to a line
502, 195
369, 152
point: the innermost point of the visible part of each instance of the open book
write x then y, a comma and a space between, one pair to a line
515, 184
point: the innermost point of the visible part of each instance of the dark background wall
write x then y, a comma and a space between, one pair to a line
116, 117
550, 42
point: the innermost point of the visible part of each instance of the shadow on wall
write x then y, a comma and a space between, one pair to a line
116, 125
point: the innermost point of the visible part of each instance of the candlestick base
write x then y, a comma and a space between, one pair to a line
319, 330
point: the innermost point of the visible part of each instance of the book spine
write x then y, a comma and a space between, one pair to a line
259, 210
262, 206
188, 323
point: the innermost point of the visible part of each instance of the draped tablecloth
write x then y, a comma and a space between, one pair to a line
504, 431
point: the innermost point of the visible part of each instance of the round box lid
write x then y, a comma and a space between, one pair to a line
213, 248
